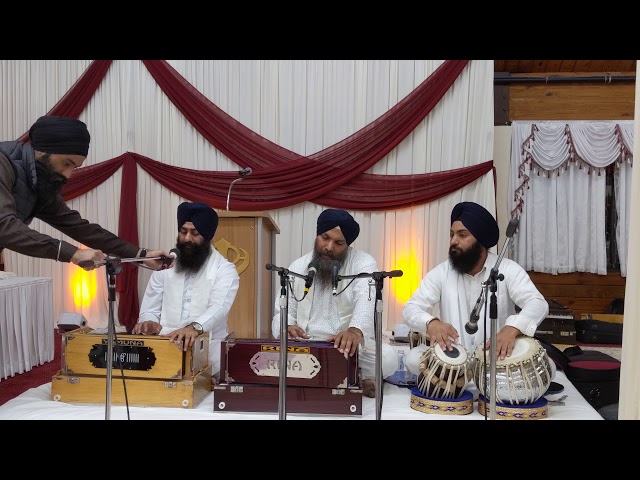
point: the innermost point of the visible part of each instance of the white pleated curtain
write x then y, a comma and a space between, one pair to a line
558, 181
302, 105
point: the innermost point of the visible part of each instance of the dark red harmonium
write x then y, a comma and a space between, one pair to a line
320, 379
236, 397
309, 363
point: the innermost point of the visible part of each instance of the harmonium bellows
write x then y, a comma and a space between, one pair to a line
319, 378
157, 372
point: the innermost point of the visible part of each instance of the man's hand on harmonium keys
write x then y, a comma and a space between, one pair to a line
297, 333
347, 341
146, 328
185, 337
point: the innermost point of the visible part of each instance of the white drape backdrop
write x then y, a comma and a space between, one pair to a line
562, 207
304, 106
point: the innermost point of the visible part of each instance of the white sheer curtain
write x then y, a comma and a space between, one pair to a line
303, 105
558, 181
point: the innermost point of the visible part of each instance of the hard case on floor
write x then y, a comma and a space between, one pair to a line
595, 374
599, 329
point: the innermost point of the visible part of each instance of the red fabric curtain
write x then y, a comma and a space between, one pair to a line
333, 177
127, 279
73, 103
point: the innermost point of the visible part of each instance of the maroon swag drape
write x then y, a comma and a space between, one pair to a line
333, 177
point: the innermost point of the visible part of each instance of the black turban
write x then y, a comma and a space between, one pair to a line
203, 217
60, 135
478, 221
332, 218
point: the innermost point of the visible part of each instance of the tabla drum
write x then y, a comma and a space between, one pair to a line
418, 338
522, 378
444, 374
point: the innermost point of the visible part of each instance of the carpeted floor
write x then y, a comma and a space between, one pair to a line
14, 386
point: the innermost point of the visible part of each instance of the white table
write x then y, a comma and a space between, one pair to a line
26, 324
36, 404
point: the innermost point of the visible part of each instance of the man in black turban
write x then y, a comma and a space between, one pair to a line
31, 177
329, 309
197, 224
443, 304
476, 220
195, 296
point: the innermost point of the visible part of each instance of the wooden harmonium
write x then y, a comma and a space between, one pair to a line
253, 398
309, 363
140, 356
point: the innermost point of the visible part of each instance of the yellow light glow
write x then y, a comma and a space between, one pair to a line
84, 286
404, 286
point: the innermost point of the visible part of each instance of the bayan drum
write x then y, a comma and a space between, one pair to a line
522, 378
444, 374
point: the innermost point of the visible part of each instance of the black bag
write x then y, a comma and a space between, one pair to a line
595, 374
597, 331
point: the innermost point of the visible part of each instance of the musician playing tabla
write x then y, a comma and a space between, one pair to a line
456, 284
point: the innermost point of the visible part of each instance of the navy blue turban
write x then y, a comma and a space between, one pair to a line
203, 217
478, 221
60, 135
332, 217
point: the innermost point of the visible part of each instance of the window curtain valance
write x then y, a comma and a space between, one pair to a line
558, 180
548, 148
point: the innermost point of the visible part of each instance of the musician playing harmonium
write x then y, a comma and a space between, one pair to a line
455, 286
194, 296
343, 314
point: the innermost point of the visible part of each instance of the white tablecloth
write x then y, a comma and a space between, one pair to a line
36, 404
26, 324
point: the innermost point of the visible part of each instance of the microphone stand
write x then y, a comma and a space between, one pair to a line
492, 285
113, 268
243, 173
284, 334
378, 278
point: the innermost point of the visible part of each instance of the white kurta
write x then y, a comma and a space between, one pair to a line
176, 299
321, 314
451, 296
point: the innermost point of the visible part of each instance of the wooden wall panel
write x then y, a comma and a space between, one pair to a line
572, 101
581, 292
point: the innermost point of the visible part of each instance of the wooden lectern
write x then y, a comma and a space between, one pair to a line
246, 239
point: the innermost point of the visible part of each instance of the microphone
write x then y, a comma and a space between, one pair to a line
307, 284
273, 268
335, 266
392, 273
95, 263
511, 228
174, 253
472, 325
243, 173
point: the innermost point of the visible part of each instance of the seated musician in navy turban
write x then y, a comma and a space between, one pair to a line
339, 312
455, 286
196, 295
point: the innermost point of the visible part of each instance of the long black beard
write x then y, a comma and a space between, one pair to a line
192, 256
464, 262
49, 182
323, 266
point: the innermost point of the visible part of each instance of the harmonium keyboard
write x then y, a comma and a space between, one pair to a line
320, 379
156, 371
